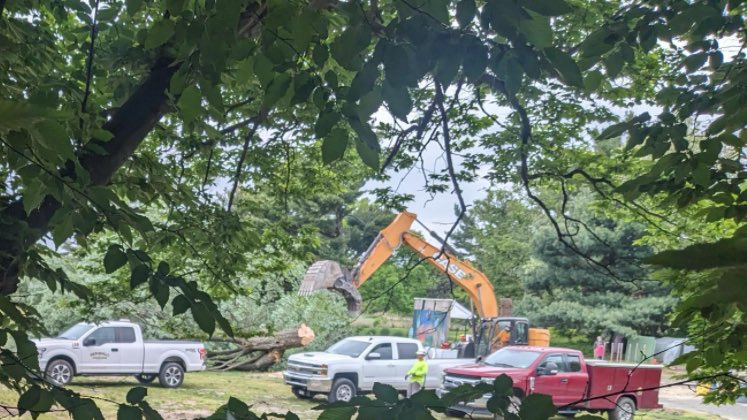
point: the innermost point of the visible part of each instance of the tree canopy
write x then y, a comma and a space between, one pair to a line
188, 125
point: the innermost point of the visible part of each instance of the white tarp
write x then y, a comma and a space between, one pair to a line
455, 309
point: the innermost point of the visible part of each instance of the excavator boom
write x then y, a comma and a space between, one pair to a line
330, 275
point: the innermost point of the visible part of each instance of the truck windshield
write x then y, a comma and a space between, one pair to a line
512, 358
76, 331
352, 348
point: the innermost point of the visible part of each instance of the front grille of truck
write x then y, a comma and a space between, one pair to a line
301, 367
453, 381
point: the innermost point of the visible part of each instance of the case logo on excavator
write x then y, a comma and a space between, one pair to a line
443, 261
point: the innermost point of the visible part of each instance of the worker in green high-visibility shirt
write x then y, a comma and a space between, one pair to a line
416, 374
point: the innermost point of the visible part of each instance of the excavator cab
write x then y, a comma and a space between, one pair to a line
489, 337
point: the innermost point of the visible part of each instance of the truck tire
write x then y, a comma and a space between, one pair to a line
171, 375
146, 378
301, 393
624, 409
343, 389
60, 372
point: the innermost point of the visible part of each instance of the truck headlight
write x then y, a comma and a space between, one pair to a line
323, 370
41, 351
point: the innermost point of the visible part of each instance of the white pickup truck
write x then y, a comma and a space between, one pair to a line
352, 366
117, 348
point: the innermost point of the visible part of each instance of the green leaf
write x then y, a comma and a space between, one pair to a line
334, 145
163, 268
325, 122
364, 81
133, 6
15, 115
190, 104
614, 130
203, 318
593, 80
159, 34
598, 43
238, 408
160, 291
367, 144
614, 64
722, 253
548, 7
303, 85
264, 69
370, 103
465, 12
320, 55
386, 393
398, 100
139, 275
53, 136
566, 67
337, 413
277, 88
475, 60
537, 31
397, 66
106, 14
180, 304
537, 406
114, 259
29, 398
702, 175
136, 394
694, 62
503, 385
62, 231
128, 412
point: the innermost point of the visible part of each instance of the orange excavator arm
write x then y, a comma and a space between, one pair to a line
329, 274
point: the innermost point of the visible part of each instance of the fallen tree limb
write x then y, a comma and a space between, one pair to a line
259, 353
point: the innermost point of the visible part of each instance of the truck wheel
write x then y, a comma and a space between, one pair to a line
60, 372
343, 389
145, 378
171, 376
301, 393
624, 409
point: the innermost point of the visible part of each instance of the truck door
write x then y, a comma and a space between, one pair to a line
379, 369
577, 380
99, 353
129, 349
405, 359
552, 381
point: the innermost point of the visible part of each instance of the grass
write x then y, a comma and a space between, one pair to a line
204, 392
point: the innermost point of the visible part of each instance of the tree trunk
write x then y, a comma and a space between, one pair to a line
259, 353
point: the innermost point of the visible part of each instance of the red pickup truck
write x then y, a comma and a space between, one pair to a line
574, 384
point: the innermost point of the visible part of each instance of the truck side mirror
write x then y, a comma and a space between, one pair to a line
373, 356
89, 342
548, 369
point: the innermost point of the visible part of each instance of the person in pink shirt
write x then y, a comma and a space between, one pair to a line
599, 348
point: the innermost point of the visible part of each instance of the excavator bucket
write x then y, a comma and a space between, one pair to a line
331, 275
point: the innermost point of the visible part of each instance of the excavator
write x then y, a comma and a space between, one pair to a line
327, 274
